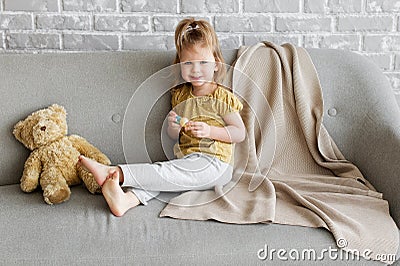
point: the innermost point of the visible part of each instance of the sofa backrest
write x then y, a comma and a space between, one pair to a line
95, 88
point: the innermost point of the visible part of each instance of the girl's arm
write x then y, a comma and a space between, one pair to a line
233, 132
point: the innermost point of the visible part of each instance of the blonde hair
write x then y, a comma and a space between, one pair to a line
190, 32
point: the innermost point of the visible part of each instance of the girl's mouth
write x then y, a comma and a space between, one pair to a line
197, 79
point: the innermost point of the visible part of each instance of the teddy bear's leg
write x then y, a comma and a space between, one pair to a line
89, 180
54, 185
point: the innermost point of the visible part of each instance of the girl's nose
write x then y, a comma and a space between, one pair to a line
196, 67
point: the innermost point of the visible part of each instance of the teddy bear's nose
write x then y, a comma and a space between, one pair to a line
43, 128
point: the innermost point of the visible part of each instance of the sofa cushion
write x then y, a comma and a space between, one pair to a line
82, 231
95, 89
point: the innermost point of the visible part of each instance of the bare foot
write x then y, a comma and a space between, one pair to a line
118, 200
99, 171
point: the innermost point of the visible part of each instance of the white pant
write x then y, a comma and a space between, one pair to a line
195, 171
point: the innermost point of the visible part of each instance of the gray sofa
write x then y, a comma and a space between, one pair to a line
95, 88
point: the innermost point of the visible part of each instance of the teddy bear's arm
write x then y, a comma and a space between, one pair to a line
88, 150
31, 173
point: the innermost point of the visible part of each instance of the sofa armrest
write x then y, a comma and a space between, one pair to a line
379, 161
363, 118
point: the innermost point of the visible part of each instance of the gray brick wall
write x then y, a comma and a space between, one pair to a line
369, 27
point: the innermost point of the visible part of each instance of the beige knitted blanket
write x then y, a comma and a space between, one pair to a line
289, 170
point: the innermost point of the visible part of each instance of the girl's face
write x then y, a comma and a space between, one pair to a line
198, 66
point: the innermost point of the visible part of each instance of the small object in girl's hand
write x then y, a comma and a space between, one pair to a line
181, 120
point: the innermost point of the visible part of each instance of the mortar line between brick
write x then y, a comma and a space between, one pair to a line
300, 40
394, 72
301, 7
33, 17
361, 46
118, 6
92, 21
392, 62
234, 14
178, 6
364, 7
4, 41
61, 38
395, 23
273, 24
60, 6
120, 42
334, 24
87, 32
150, 23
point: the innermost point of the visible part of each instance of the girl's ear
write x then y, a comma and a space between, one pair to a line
217, 63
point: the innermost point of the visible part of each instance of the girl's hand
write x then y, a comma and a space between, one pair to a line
173, 128
172, 121
198, 129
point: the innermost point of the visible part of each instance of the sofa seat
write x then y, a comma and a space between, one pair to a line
44, 235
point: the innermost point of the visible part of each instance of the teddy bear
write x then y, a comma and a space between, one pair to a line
54, 155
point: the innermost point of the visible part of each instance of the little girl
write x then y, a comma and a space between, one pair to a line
204, 149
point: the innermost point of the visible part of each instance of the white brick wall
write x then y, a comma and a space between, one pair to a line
369, 27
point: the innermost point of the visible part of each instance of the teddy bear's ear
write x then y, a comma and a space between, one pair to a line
17, 130
58, 109
21, 133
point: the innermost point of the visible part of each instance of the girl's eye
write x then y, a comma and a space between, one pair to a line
203, 62
187, 63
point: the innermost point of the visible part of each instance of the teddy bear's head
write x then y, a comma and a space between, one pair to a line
42, 127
